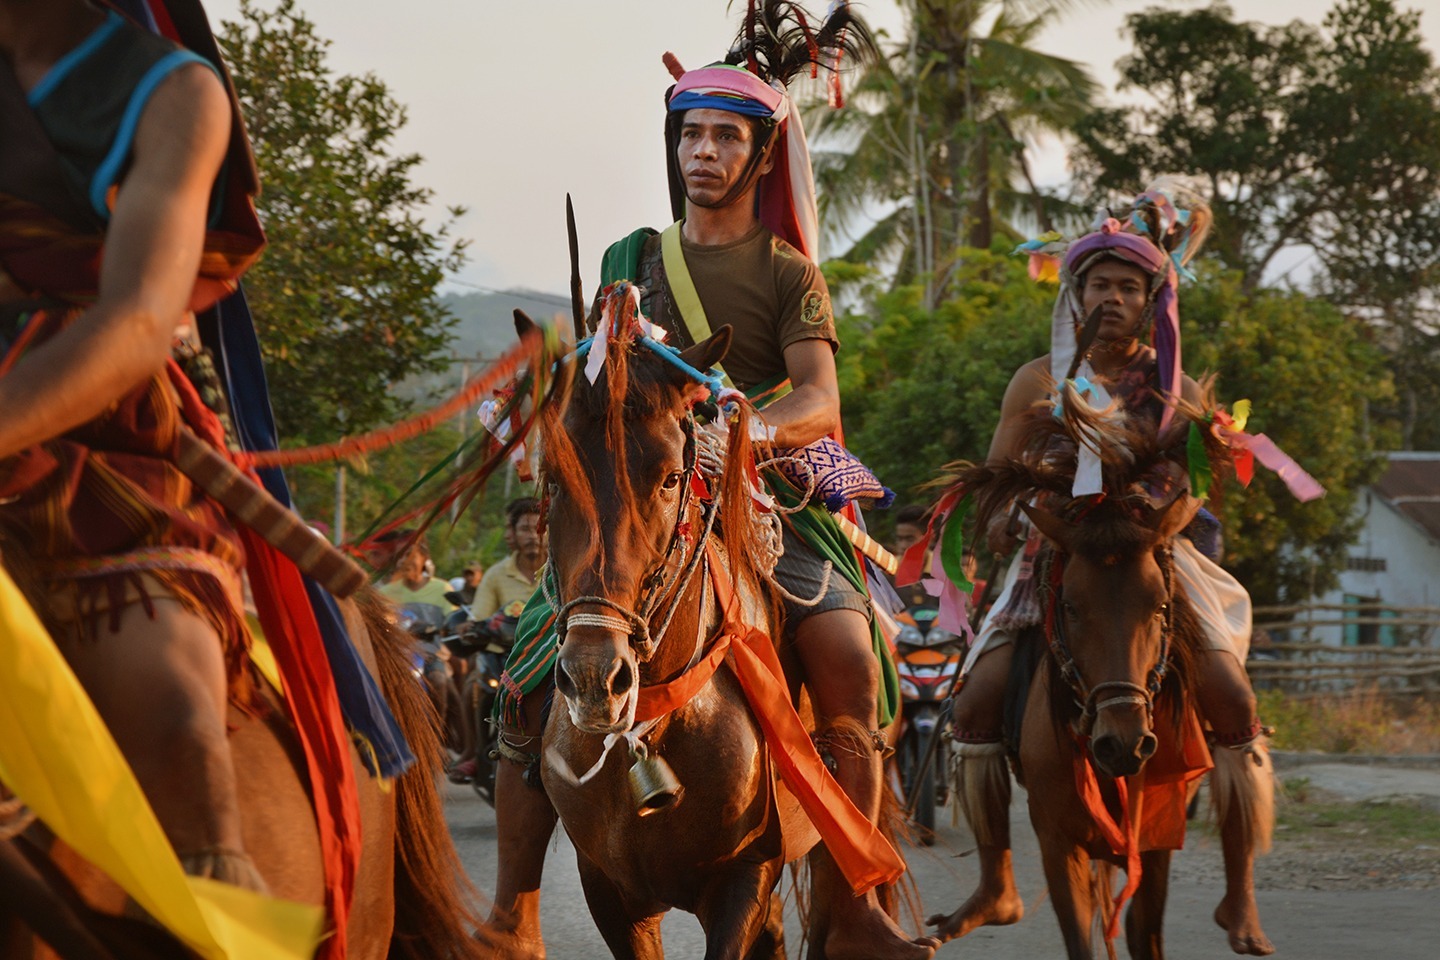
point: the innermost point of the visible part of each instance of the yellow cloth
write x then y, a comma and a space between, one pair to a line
57, 755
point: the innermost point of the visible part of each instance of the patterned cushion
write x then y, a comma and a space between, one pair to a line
839, 476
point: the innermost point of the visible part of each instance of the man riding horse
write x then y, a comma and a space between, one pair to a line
126, 188
743, 255
1127, 272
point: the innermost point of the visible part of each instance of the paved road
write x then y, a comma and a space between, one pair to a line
1304, 924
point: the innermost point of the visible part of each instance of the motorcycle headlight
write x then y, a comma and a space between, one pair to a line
492, 682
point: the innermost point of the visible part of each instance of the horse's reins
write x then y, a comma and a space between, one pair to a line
1133, 694
635, 624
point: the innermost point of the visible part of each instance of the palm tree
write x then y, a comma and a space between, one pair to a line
937, 130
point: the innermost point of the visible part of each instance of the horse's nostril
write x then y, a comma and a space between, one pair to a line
563, 683
1148, 743
622, 679
1106, 750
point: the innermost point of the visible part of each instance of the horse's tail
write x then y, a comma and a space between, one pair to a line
435, 902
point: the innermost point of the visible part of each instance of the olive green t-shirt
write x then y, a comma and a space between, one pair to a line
760, 285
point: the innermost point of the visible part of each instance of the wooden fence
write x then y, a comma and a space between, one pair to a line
1324, 650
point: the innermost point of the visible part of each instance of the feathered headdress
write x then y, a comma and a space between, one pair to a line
775, 43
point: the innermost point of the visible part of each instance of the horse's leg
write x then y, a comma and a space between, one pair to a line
1067, 872
629, 937
734, 908
1145, 919
524, 822
1243, 790
770, 944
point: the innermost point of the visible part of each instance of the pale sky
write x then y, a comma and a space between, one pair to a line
514, 102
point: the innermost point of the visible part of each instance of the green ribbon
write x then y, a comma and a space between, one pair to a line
952, 546
1200, 474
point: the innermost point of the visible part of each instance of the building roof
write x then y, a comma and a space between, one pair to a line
1411, 485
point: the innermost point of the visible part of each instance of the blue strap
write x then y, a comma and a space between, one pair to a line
227, 329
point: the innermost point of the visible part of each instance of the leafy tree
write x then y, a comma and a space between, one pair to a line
936, 133
1225, 99
923, 387
1311, 374
1326, 139
344, 297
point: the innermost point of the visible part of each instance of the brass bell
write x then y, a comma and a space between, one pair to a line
653, 785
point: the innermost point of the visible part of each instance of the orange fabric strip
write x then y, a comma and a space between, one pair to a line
1122, 837
862, 853
658, 699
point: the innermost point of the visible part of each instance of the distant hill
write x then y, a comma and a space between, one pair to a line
486, 326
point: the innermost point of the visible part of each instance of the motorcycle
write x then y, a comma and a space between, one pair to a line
486, 644
433, 630
927, 659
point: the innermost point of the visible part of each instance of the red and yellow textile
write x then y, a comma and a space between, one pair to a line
105, 507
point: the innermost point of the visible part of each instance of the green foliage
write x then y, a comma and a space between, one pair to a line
373, 483
344, 298
1321, 139
1363, 722
1310, 374
936, 131
922, 388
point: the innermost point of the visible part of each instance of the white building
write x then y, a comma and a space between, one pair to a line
1395, 562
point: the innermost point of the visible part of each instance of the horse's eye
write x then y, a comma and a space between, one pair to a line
1069, 609
672, 481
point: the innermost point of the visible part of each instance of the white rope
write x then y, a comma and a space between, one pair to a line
603, 621
631, 737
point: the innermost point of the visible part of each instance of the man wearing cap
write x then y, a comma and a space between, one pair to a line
743, 253
1130, 276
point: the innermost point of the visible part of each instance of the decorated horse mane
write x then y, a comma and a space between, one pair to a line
1132, 453
639, 377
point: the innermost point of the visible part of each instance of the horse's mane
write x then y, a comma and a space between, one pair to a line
1131, 448
1133, 452
635, 384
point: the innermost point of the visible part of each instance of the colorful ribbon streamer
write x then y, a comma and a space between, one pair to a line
59, 758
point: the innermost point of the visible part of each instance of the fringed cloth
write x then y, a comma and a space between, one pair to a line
105, 520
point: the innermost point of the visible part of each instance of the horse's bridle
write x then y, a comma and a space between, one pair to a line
656, 586
1131, 694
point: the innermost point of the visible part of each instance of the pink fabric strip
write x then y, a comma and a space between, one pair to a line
1301, 484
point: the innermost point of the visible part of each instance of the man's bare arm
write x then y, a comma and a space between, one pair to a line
812, 408
1029, 385
152, 252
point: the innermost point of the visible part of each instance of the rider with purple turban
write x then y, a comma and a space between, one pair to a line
1128, 270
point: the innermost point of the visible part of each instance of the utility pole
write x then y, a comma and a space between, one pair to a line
339, 503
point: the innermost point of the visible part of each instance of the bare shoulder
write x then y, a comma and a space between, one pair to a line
187, 118
1030, 383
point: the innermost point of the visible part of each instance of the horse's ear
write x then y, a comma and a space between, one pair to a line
523, 323
1056, 530
1173, 517
710, 351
